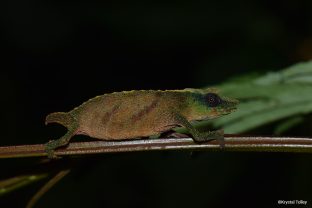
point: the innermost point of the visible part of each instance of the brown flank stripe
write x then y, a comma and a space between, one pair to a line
144, 111
109, 114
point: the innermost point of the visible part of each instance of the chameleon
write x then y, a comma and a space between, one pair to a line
142, 113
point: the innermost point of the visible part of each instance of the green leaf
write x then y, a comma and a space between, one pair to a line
14, 183
268, 98
288, 124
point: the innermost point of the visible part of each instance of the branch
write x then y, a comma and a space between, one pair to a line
232, 143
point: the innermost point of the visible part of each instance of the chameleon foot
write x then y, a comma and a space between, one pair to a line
212, 135
63, 141
49, 148
219, 136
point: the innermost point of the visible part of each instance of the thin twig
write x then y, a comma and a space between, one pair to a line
232, 143
47, 187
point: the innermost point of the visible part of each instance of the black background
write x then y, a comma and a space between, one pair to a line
55, 55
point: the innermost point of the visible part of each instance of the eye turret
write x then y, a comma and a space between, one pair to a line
212, 99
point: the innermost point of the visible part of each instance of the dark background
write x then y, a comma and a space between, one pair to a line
57, 55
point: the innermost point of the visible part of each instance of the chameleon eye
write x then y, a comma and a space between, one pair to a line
212, 99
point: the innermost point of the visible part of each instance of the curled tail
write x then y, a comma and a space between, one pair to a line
62, 118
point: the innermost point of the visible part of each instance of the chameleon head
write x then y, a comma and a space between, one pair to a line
211, 105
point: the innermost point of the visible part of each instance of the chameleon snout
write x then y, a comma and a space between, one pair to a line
230, 104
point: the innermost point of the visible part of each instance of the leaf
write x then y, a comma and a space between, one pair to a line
268, 98
14, 183
288, 124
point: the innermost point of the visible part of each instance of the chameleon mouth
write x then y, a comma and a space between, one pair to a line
232, 108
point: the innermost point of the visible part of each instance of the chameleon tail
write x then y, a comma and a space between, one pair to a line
62, 118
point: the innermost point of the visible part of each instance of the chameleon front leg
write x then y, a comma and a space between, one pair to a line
64, 140
201, 136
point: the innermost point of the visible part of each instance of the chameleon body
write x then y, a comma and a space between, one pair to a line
142, 113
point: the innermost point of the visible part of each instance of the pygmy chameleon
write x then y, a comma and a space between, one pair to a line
142, 113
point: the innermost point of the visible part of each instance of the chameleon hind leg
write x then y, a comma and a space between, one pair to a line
202, 136
64, 140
